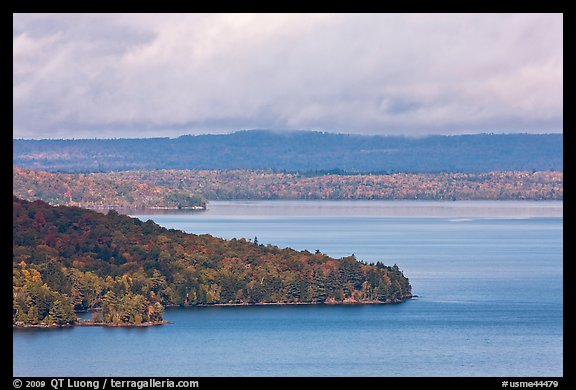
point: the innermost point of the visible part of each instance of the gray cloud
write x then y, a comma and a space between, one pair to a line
92, 75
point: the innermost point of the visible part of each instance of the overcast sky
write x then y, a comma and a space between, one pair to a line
142, 75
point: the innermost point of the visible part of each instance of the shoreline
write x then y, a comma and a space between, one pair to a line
329, 303
117, 207
157, 323
121, 324
90, 323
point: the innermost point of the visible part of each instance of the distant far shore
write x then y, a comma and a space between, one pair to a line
115, 207
193, 189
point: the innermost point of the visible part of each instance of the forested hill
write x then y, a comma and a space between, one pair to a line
298, 151
100, 191
69, 258
187, 188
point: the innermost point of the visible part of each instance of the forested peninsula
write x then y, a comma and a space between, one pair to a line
101, 191
69, 259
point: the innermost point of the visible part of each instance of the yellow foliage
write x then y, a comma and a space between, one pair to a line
35, 275
126, 281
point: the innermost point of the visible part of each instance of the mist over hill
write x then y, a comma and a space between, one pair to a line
303, 151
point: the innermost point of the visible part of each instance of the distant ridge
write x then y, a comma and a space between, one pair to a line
303, 151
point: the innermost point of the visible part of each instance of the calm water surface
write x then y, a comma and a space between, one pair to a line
488, 276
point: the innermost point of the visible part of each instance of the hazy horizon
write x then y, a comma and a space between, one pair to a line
286, 132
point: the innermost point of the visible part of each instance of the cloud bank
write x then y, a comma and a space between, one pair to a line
134, 75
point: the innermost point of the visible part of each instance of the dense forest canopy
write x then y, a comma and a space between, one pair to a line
100, 191
69, 258
262, 185
300, 151
188, 188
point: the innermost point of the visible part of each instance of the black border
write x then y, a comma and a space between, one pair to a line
290, 382
457, 382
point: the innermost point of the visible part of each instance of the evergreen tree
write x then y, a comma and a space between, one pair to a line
61, 312
166, 267
318, 286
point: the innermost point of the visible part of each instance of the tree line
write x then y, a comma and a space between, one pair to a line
298, 151
68, 259
191, 188
100, 191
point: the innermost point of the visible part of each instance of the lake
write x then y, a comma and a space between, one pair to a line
488, 275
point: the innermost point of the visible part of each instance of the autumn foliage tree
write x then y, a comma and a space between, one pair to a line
130, 269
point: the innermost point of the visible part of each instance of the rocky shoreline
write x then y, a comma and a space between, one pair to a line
21, 325
327, 302
89, 323
121, 324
